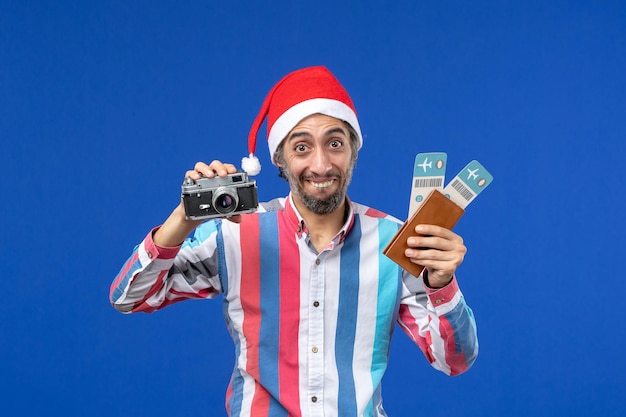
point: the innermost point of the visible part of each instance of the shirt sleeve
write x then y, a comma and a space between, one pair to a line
154, 277
440, 323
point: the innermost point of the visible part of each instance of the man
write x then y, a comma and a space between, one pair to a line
310, 301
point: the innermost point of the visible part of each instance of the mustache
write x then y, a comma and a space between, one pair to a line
330, 175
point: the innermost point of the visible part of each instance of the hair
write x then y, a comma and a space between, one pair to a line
279, 156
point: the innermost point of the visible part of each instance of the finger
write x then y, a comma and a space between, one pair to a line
222, 169
235, 219
434, 230
432, 242
437, 270
230, 168
203, 169
193, 174
425, 254
436, 259
436, 266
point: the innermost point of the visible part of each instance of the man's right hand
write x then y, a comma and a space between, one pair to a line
215, 168
177, 227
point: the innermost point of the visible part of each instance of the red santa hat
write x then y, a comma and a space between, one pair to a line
298, 95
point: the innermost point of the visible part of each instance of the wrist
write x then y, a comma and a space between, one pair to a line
435, 282
175, 229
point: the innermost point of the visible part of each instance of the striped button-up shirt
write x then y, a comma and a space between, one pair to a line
311, 329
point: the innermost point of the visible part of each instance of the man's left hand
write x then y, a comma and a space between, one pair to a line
439, 250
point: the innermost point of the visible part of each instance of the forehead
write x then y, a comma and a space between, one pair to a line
302, 130
319, 122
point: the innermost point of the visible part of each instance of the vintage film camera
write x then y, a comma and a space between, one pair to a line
208, 198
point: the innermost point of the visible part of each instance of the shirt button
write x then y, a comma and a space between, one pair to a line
316, 303
314, 399
150, 255
314, 349
317, 262
439, 301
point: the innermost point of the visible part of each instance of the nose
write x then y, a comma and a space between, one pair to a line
320, 164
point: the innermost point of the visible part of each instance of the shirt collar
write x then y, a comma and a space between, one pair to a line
300, 228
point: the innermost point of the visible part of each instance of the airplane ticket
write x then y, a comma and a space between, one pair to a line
429, 173
468, 183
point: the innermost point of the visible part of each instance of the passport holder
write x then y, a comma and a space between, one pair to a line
437, 209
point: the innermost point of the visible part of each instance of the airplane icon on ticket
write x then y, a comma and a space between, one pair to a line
472, 174
425, 165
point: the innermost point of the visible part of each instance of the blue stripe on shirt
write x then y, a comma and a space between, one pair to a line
464, 328
119, 290
347, 318
269, 254
202, 233
389, 289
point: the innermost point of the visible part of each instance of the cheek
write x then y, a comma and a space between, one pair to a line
342, 162
295, 167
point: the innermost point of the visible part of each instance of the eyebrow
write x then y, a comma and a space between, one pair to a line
329, 132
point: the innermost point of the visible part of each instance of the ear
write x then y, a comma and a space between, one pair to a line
355, 155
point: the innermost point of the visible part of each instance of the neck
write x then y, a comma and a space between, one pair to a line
322, 227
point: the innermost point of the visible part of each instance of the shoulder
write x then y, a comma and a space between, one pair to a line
268, 209
276, 204
366, 212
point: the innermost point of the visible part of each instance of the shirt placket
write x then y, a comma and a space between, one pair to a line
315, 346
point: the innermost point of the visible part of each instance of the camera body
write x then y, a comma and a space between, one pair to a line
209, 198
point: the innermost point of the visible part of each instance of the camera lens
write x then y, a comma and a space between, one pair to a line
225, 200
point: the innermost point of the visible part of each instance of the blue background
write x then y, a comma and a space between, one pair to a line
105, 105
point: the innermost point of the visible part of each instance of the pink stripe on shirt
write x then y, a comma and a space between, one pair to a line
288, 372
250, 293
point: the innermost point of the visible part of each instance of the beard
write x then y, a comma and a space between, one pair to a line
320, 205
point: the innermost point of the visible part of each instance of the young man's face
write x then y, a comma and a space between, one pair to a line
318, 162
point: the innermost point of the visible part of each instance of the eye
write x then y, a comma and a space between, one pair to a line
300, 147
336, 143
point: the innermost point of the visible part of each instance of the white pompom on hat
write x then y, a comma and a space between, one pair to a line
298, 95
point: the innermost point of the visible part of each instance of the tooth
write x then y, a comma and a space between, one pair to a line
322, 184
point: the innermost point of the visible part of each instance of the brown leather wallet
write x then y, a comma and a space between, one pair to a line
437, 209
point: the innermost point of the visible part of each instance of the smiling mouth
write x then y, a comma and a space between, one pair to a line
322, 184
